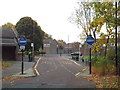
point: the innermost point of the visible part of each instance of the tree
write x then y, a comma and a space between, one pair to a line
92, 17
106, 11
84, 17
61, 44
29, 28
8, 26
81, 17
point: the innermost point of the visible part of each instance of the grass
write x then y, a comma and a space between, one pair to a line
6, 64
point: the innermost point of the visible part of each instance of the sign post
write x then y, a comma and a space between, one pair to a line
22, 42
90, 41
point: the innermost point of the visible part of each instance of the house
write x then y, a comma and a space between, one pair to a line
8, 42
50, 46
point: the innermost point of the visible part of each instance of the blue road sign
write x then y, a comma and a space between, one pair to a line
90, 40
22, 41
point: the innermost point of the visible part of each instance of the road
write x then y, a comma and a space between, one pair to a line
55, 72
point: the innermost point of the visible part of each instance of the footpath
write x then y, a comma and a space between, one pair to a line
15, 69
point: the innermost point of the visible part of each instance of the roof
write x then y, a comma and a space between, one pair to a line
8, 33
8, 37
8, 42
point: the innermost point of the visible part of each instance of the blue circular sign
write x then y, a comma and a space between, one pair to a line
22, 41
90, 40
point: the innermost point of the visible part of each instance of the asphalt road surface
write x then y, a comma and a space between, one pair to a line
55, 72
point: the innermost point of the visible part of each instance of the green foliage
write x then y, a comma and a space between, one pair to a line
8, 26
111, 54
6, 64
119, 53
104, 66
29, 28
39, 53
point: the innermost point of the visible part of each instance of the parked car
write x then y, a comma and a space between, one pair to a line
76, 55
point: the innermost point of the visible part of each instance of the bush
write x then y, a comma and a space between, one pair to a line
103, 66
26, 52
111, 54
38, 53
119, 53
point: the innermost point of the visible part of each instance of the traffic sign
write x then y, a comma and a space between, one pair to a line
22, 47
90, 40
22, 41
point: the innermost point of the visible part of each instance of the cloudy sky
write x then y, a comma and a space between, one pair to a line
51, 15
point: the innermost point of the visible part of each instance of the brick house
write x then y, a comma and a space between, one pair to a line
50, 46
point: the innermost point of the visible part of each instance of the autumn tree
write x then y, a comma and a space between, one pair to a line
92, 17
61, 43
85, 17
81, 17
105, 12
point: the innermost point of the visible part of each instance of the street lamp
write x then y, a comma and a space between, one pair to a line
57, 49
32, 45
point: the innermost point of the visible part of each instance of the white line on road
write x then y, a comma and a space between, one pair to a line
74, 62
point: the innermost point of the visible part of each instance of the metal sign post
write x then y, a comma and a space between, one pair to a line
22, 62
90, 41
22, 41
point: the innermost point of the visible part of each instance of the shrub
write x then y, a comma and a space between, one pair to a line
111, 54
103, 66
38, 53
26, 52
119, 53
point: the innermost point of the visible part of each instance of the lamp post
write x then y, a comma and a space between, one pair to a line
32, 45
116, 56
57, 49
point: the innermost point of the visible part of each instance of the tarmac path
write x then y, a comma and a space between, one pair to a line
55, 72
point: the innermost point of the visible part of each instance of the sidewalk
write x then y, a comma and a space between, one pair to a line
15, 70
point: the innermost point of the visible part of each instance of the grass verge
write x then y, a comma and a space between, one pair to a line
5, 64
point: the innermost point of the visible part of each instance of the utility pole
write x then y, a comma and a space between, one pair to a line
33, 42
116, 52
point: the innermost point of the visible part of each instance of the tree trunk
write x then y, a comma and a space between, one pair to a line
106, 45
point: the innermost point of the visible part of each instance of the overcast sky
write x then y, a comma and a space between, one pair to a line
51, 15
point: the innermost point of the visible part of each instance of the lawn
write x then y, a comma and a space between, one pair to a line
5, 64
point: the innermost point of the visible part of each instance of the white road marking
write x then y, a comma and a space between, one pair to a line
78, 74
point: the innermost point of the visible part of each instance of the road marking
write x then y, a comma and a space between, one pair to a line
66, 68
74, 62
78, 74
71, 61
35, 67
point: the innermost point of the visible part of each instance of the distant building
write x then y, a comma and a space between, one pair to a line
50, 46
8, 42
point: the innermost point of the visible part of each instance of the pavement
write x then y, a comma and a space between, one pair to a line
15, 69
30, 71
